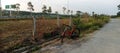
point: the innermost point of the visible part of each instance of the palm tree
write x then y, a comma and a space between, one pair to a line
68, 12
30, 7
64, 9
93, 14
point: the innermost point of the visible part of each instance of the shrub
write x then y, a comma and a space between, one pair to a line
85, 24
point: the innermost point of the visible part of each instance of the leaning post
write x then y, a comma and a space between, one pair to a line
34, 27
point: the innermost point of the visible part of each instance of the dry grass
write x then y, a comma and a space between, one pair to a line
15, 32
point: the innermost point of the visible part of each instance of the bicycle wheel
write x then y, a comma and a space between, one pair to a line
75, 33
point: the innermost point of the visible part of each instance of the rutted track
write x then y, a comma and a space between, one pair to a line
28, 49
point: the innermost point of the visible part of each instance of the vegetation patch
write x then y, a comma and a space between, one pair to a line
91, 24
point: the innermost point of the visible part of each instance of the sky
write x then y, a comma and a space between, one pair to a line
98, 6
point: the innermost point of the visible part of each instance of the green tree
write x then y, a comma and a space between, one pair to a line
49, 10
118, 14
64, 9
93, 14
78, 13
68, 12
71, 12
30, 7
44, 9
118, 7
0, 11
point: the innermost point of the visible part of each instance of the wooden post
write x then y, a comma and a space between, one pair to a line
10, 13
58, 20
70, 23
34, 27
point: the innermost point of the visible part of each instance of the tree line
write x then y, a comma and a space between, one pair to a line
45, 10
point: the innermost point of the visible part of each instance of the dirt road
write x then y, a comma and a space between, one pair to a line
107, 40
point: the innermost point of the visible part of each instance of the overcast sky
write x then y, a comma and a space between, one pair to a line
98, 6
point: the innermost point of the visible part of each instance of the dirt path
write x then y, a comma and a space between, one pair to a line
107, 40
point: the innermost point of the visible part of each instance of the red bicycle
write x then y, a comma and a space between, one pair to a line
71, 32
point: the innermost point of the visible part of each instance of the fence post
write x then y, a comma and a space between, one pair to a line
58, 20
34, 27
70, 23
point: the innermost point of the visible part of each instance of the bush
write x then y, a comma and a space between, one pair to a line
85, 24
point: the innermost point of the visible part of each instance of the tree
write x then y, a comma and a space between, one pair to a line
0, 11
78, 13
44, 9
118, 14
49, 10
17, 8
93, 14
85, 15
71, 12
64, 9
30, 7
68, 12
118, 7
